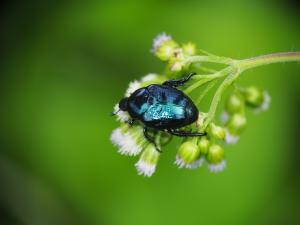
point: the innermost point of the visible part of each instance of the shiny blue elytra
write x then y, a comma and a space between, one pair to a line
162, 107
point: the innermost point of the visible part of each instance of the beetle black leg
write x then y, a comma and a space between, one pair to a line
186, 134
179, 82
131, 122
151, 139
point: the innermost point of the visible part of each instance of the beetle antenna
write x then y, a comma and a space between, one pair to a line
114, 113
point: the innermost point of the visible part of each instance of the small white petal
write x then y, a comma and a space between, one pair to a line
179, 162
231, 139
125, 142
117, 137
129, 146
149, 77
133, 86
265, 105
196, 164
215, 168
122, 116
145, 168
193, 165
159, 39
224, 117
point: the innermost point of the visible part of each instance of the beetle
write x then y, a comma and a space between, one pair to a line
162, 108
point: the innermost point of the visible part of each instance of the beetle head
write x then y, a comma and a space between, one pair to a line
137, 103
123, 104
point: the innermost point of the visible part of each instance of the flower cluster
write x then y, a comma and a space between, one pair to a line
234, 116
193, 152
173, 54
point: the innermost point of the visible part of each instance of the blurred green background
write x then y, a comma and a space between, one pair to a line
64, 66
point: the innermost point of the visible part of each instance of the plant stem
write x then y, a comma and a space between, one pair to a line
268, 59
205, 91
217, 97
203, 79
240, 66
212, 59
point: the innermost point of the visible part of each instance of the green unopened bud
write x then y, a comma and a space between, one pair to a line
187, 153
203, 145
147, 163
217, 131
215, 154
215, 159
237, 124
189, 48
254, 96
234, 104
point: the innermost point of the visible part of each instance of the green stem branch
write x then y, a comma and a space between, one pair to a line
236, 67
268, 59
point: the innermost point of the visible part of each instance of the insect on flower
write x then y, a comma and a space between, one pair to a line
162, 108
153, 109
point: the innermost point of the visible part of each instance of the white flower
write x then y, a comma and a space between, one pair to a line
265, 105
224, 117
215, 168
117, 137
147, 163
127, 142
122, 116
230, 138
133, 86
149, 77
159, 39
145, 168
193, 165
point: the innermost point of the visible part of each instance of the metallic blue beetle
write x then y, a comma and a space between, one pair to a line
163, 108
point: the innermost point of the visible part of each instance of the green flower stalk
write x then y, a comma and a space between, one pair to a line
180, 60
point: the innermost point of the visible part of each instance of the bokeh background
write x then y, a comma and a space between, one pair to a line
65, 64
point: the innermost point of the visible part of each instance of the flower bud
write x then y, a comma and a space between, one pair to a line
164, 46
235, 103
236, 124
266, 103
203, 145
215, 158
189, 49
187, 153
254, 96
147, 163
215, 154
217, 131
